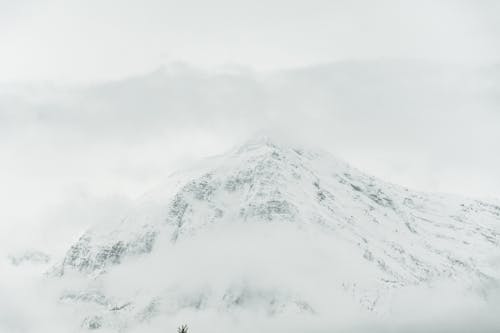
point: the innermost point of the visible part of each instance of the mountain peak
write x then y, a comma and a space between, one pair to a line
261, 141
399, 237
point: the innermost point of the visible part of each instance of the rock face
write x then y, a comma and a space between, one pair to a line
400, 237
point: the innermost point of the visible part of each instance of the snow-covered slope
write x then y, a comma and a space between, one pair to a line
276, 229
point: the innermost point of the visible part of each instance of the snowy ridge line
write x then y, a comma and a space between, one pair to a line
380, 237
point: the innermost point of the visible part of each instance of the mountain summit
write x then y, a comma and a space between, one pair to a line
277, 229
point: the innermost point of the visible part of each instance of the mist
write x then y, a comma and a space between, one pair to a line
101, 101
189, 276
79, 144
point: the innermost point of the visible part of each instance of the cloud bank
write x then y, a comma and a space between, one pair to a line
77, 155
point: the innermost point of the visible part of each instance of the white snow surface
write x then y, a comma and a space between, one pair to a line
280, 231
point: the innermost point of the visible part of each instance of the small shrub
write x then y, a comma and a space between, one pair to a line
182, 329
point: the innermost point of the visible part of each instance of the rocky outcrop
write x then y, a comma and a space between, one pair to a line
403, 237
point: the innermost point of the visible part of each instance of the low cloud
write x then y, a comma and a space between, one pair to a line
73, 156
283, 267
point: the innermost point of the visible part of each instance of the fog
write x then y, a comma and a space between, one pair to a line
426, 126
101, 100
199, 269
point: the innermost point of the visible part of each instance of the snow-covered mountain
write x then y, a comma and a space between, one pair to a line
278, 230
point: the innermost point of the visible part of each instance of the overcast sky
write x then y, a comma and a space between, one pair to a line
101, 39
100, 100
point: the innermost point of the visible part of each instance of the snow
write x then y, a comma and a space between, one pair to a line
278, 230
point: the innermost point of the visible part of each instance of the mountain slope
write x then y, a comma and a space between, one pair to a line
277, 229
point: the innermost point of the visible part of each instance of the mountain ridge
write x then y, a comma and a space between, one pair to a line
397, 237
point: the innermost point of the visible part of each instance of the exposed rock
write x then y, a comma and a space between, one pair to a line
403, 238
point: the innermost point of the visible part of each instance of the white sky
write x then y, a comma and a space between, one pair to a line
100, 39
